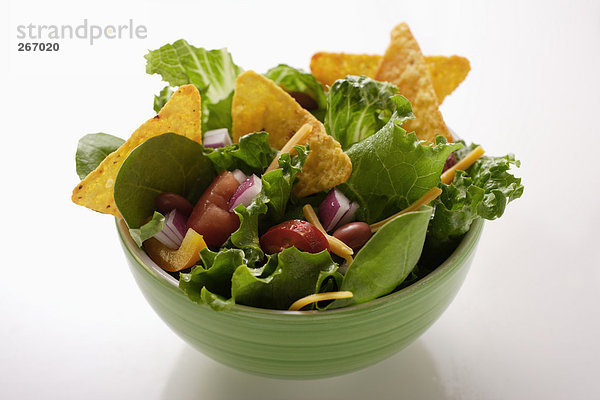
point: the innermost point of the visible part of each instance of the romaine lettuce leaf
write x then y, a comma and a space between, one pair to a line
149, 229
387, 258
162, 97
358, 106
391, 169
92, 149
252, 154
300, 84
211, 71
296, 274
483, 191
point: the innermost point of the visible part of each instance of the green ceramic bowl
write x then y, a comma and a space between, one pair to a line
304, 344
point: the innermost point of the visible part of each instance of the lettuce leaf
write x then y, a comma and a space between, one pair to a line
387, 258
252, 154
295, 274
149, 229
358, 106
92, 149
391, 169
483, 191
302, 86
211, 71
162, 97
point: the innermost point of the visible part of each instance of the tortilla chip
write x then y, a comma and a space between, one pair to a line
446, 72
329, 67
404, 65
261, 105
180, 115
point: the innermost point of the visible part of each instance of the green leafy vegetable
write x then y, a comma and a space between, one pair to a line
211, 71
252, 154
387, 258
392, 169
483, 191
162, 97
301, 85
296, 275
92, 149
165, 163
149, 229
214, 275
246, 236
358, 106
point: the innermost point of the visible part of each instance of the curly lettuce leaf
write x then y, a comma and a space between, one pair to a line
358, 106
483, 191
211, 71
92, 149
252, 154
391, 169
387, 258
210, 283
303, 86
296, 274
162, 97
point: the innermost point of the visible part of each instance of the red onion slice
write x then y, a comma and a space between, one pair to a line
349, 216
216, 138
246, 192
239, 176
333, 208
174, 230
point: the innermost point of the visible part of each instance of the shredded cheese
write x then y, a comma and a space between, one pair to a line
313, 298
337, 246
299, 137
425, 199
448, 176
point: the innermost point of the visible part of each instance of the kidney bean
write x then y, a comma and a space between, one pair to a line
450, 162
354, 234
166, 202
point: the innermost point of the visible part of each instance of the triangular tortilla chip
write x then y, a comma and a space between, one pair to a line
261, 105
446, 72
404, 65
180, 115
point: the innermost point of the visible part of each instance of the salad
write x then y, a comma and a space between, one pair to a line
296, 190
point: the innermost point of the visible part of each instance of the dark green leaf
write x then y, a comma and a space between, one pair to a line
387, 258
92, 149
391, 170
358, 106
296, 275
165, 163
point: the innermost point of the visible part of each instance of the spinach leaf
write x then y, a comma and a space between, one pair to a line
301, 85
211, 71
165, 163
483, 191
252, 154
392, 169
387, 258
214, 275
92, 149
358, 106
149, 229
296, 275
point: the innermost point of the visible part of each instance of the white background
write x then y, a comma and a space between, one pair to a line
525, 325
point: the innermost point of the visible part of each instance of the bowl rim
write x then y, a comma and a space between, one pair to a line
464, 248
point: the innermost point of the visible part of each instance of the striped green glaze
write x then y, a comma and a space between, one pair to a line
304, 344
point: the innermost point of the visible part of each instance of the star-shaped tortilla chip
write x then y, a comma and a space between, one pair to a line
261, 105
181, 115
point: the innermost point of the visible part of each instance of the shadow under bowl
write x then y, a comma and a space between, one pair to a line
304, 344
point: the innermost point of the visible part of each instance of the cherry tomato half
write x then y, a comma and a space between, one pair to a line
300, 234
